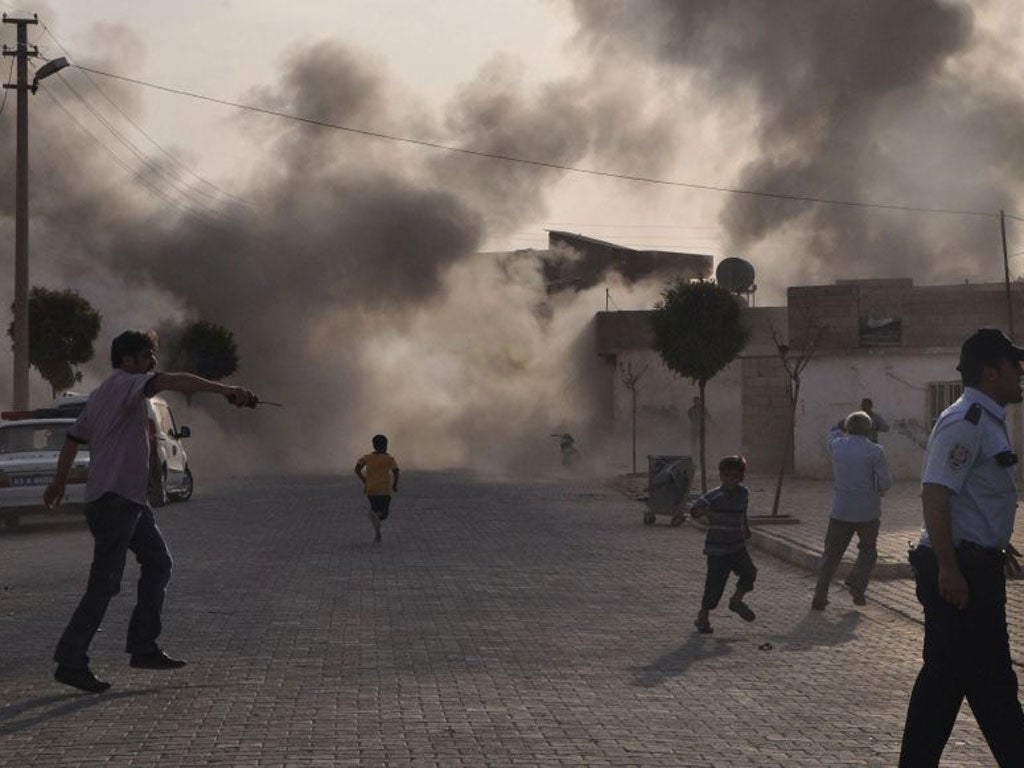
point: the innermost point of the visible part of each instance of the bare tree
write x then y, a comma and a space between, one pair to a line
794, 365
631, 380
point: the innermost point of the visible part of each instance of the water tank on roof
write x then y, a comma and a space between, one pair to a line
735, 274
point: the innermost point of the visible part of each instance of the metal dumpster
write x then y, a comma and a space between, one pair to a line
668, 482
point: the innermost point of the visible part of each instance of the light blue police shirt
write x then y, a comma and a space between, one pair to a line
860, 475
961, 456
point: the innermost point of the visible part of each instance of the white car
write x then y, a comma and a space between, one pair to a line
170, 478
29, 448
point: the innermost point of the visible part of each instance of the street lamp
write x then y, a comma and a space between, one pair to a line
21, 299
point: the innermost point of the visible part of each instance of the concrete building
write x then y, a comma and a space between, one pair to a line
889, 340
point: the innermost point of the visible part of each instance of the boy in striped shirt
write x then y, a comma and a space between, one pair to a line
725, 508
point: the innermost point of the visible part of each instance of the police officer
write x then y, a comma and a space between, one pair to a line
969, 499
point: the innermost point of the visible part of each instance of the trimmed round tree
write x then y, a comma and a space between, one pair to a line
698, 330
62, 328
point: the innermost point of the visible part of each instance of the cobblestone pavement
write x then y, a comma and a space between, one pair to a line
498, 624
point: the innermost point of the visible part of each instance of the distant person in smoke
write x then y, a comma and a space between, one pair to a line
725, 546
861, 475
379, 473
115, 426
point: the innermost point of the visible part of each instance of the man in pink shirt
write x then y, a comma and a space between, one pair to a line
114, 424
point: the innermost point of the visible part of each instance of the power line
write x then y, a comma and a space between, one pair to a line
131, 172
7, 90
140, 155
539, 163
139, 128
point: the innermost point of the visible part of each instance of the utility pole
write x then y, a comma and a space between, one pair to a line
21, 330
1006, 272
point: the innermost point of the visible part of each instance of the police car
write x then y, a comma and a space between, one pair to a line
30, 443
170, 477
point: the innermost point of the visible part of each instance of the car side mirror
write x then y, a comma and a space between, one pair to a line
184, 432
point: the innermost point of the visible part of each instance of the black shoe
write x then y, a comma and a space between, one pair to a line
738, 606
818, 605
82, 679
155, 660
857, 594
703, 625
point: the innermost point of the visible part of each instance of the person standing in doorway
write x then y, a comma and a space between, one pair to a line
860, 475
114, 424
969, 500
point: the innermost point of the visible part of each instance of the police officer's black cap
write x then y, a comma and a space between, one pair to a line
987, 347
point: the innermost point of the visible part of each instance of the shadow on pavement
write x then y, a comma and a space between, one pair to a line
65, 704
675, 663
817, 629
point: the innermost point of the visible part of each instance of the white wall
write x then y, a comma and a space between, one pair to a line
832, 387
662, 401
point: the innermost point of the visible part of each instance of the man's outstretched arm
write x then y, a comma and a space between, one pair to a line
190, 384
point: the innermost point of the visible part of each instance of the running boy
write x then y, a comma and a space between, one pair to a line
725, 546
380, 466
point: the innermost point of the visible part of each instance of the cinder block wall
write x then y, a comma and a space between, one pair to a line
765, 406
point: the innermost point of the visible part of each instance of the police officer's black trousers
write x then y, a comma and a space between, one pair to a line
119, 525
966, 654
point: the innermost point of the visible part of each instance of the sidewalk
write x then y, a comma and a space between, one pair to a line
801, 544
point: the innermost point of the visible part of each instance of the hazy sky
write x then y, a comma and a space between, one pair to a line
430, 52
352, 265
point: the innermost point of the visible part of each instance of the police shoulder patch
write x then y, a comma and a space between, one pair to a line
973, 414
959, 455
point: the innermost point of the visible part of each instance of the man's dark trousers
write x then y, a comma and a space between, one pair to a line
966, 653
837, 539
119, 525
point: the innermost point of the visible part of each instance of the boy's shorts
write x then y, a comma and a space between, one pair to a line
381, 505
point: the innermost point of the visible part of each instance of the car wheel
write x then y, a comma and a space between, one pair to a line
186, 486
158, 490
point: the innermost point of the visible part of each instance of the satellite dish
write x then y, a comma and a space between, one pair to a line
735, 274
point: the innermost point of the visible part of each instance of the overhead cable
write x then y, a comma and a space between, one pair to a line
139, 128
540, 163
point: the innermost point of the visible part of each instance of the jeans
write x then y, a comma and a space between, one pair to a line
966, 653
719, 568
118, 525
837, 539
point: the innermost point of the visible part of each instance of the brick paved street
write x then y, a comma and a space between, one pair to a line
500, 623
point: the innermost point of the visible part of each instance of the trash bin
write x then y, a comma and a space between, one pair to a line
668, 482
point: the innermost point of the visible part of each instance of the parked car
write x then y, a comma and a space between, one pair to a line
30, 443
170, 477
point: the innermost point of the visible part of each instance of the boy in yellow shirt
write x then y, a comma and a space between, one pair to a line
379, 481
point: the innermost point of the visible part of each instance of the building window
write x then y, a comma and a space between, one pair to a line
941, 395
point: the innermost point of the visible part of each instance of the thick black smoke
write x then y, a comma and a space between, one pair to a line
349, 280
878, 101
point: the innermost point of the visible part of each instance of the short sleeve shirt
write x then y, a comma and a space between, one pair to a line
727, 514
378, 473
114, 424
969, 452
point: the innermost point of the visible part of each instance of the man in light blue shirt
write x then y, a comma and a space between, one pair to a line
860, 476
969, 500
